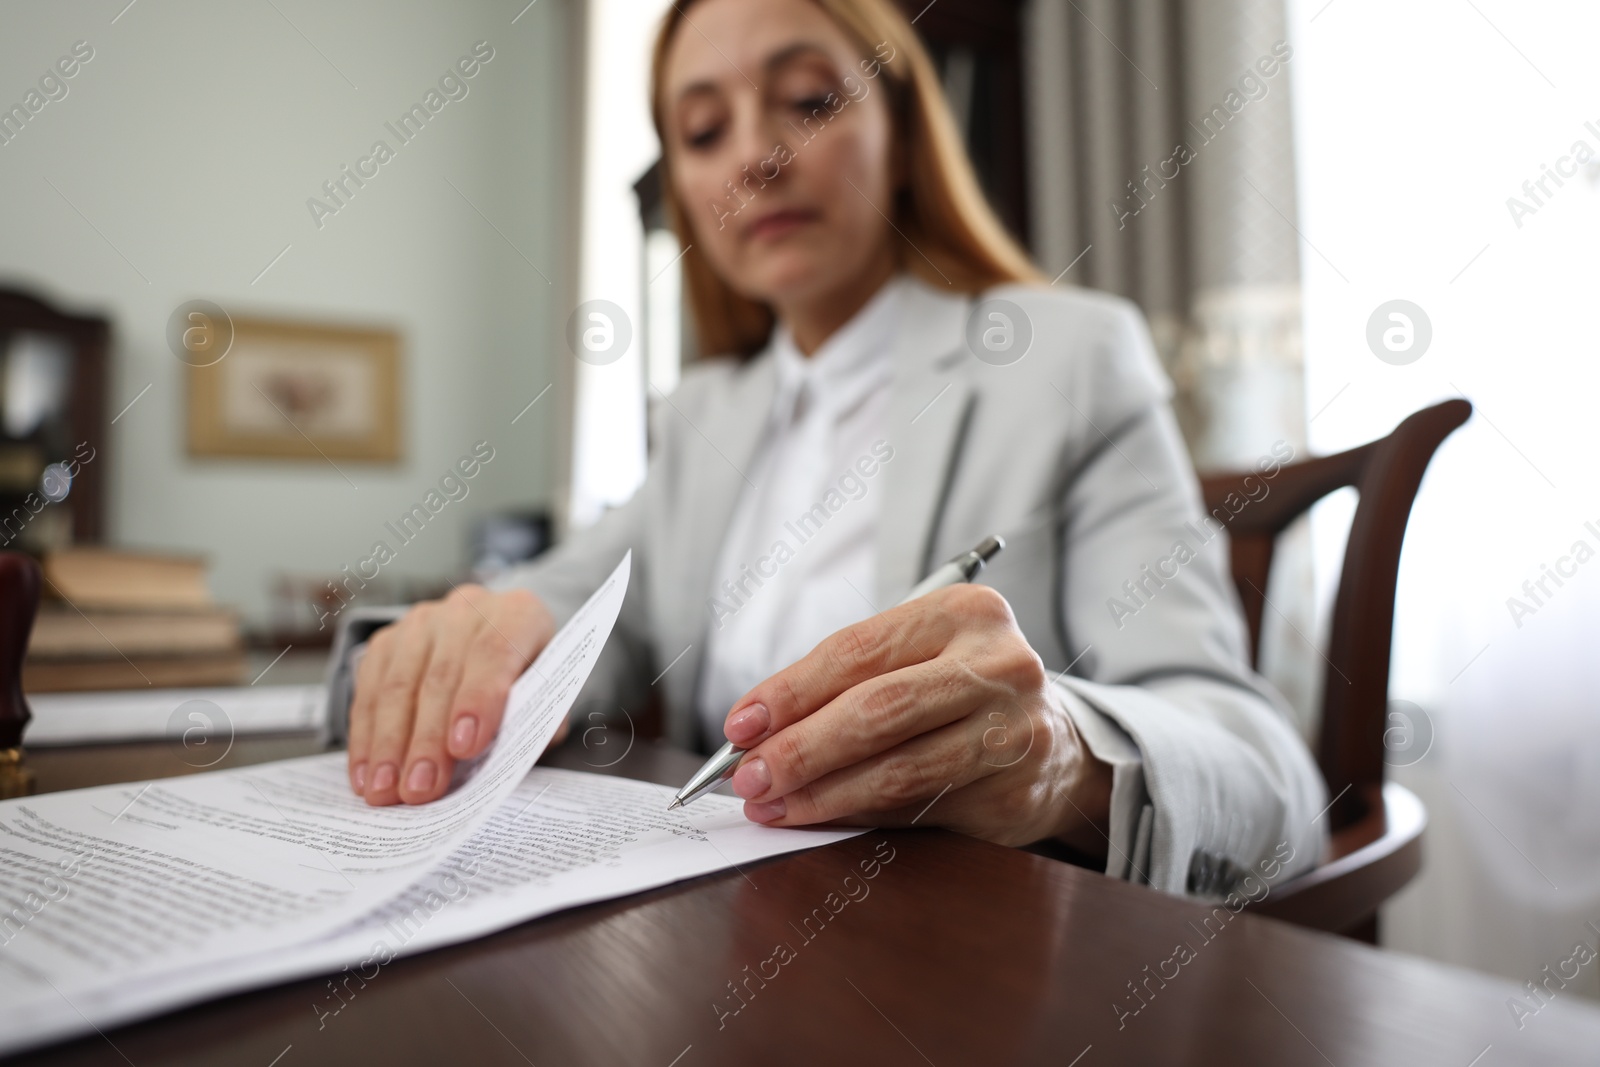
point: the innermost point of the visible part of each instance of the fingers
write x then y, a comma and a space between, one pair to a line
516, 627
363, 706
891, 788
904, 635
425, 772
855, 731
870, 718
396, 702
431, 689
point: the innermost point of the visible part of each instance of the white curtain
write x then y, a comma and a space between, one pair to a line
1417, 126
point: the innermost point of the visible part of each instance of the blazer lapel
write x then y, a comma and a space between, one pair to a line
931, 402
726, 452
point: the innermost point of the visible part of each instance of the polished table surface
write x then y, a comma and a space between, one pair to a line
960, 952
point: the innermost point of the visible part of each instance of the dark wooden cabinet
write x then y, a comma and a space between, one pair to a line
977, 46
52, 416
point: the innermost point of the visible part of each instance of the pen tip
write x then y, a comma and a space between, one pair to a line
990, 547
675, 805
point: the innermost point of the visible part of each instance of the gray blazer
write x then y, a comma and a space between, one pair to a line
1073, 455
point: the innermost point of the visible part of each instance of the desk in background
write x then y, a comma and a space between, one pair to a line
961, 952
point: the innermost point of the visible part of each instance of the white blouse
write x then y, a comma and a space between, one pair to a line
799, 561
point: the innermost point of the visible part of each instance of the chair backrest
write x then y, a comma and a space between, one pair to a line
1355, 691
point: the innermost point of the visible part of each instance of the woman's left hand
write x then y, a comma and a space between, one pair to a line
936, 712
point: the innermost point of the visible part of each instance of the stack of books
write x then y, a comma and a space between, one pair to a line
129, 620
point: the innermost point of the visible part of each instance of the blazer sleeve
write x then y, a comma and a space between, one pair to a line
569, 573
1211, 781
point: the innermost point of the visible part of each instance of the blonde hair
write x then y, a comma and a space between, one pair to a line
951, 235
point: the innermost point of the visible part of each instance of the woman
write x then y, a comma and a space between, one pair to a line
898, 382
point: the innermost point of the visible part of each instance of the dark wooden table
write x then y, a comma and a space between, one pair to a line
960, 952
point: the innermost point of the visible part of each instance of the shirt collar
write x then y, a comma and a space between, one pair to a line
850, 362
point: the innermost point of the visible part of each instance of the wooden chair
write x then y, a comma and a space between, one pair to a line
1375, 827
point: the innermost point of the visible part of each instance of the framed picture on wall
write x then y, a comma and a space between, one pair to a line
286, 390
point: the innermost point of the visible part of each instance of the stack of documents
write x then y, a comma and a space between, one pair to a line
123, 901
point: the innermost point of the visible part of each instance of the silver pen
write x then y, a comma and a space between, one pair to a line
963, 568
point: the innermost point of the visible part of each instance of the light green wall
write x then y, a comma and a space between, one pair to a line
192, 141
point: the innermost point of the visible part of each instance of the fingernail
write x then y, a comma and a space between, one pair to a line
422, 775
463, 735
358, 778
752, 779
772, 809
748, 724
384, 777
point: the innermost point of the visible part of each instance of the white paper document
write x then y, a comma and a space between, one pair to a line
142, 714
122, 901
562, 839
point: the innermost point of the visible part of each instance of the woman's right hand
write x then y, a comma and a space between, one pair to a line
432, 688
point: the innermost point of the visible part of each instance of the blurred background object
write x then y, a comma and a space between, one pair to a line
122, 620
502, 541
289, 389
19, 598
52, 393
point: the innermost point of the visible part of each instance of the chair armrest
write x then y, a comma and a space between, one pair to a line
1367, 863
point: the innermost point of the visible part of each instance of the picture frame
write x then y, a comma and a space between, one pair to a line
298, 391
